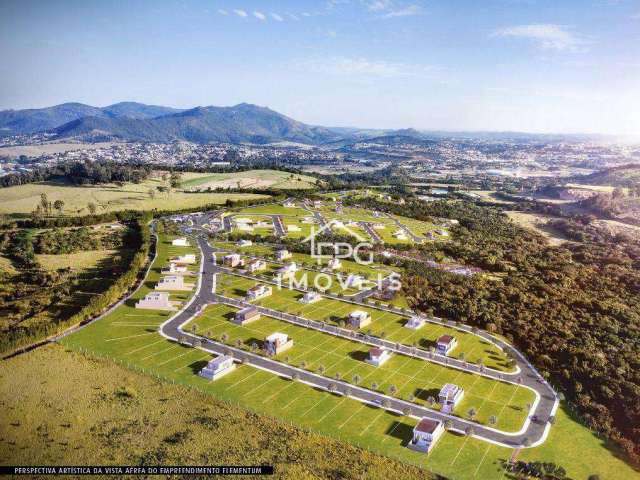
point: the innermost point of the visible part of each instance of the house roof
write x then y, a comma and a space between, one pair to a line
449, 390
376, 352
427, 425
445, 339
248, 311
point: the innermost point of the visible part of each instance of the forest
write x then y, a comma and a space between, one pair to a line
574, 309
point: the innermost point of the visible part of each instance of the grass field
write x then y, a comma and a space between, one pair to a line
77, 261
385, 324
538, 223
250, 179
409, 376
60, 407
107, 198
131, 337
275, 209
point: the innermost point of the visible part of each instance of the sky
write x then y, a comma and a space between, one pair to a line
562, 66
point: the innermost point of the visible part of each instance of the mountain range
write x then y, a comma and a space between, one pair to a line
138, 122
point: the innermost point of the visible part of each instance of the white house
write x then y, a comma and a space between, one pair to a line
449, 396
173, 282
277, 343
310, 297
415, 322
156, 301
334, 264
359, 319
218, 367
231, 260
377, 356
293, 228
257, 265
258, 291
354, 281
175, 269
244, 243
288, 204
288, 269
400, 235
282, 255
246, 315
379, 226
425, 434
180, 242
187, 259
445, 344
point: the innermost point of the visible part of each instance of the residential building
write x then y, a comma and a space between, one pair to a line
445, 344
244, 243
334, 264
289, 204
175, 269
377, 356
187, 259
258, 291
218, 367
288, 269
232, 260
173, 282
257, 265
425, 434
180, 242
354, 281
282, 255
156, 301
449, 396
293, 228
310, 297
359, 319
246, 315
399, 235
415, 322
277, 343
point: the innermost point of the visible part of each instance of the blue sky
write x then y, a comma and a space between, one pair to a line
528, 65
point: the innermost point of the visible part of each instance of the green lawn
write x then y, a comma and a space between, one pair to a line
342, 357
130, 337
275, 209
387, 324
108, 198
250, 179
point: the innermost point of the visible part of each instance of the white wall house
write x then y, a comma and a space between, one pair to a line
258, 291
449, 396
277, 343
246, 315
415, 322
187, 259
180, 242
218, 367
377, 356
156, 301
425, 434
310, 297
175, 269
445, 344
283, 254
293, 228
244, 243
288, 269
231, 260
173, 282
334, 264
400, 235
257, 265
359, 319
354, 281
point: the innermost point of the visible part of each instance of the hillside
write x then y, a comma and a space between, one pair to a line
17, 122
623, 176
237, 124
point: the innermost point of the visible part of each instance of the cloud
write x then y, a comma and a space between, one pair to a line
546, 36
240, 13
378, 5
362, 67
222, 11
635, 16
407, 11
292, 16
277, 17
260, 16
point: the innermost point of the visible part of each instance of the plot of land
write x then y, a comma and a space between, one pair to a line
107, 198
77, 261
255, 179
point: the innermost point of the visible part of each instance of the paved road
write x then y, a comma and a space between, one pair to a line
372, 232
278, 226
406, 229
532, 433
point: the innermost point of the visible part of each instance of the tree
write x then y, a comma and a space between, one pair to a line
44, 202
471, 413
59, 206
393, 390
493, 420
92, 208
374, 386
356, 379
152, 193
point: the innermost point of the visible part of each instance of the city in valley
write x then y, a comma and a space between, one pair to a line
420, 260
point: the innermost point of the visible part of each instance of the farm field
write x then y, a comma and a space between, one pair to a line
341, 358
107, 198
77, 261
258, 179
385, 324
130, 337
121, 416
